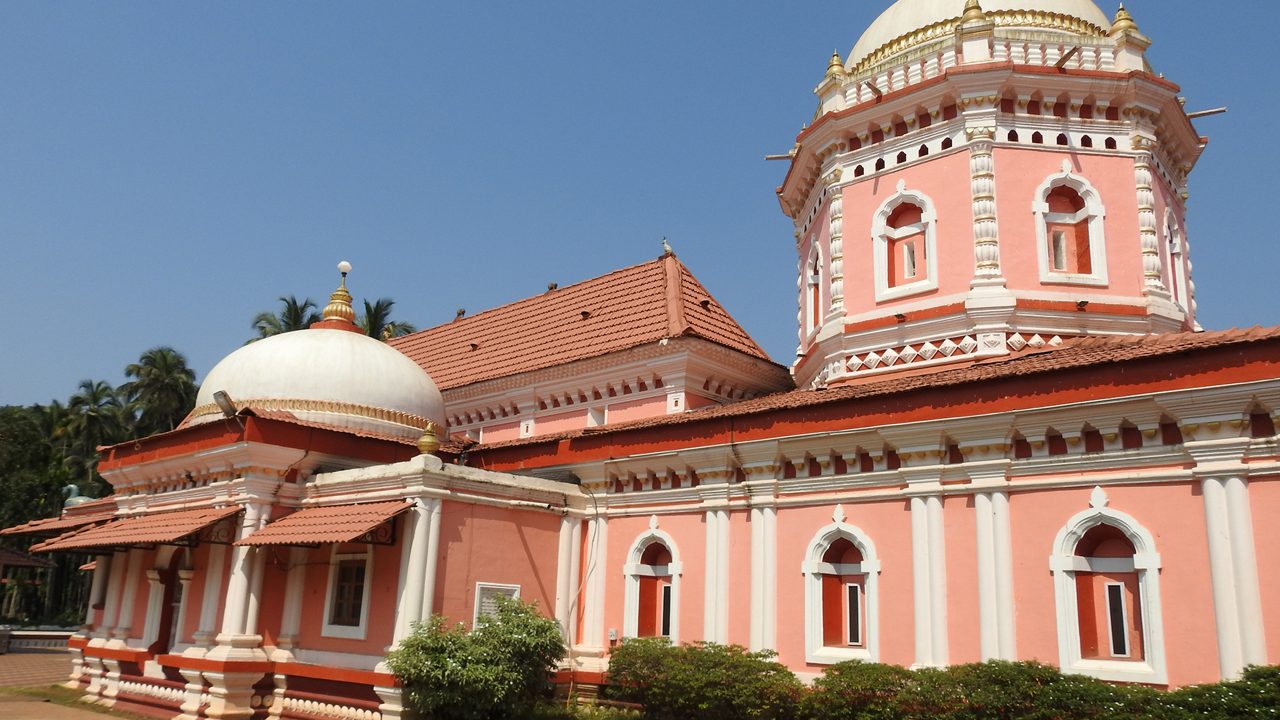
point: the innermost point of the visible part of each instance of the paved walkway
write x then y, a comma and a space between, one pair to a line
37, 669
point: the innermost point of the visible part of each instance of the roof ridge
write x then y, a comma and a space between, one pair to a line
677, 323
489, 311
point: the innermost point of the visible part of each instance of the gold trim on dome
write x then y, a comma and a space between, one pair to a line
1002, 18
397, 417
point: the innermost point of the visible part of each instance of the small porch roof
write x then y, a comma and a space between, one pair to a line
162, 528
330, 524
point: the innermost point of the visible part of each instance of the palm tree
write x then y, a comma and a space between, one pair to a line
294, 315
95, 417
162, 391
377, 323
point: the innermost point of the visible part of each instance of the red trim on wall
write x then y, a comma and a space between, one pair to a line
336, 674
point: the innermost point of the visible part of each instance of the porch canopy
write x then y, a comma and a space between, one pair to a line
162, 528
49, 527
332, 524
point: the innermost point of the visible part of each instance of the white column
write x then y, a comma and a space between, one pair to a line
213, 585
184, 584
1244, 566
155, 599
1222, 578
291, 613
432, 508
1005, 608
593, 637
937, 582
111, 606
920, 581
101, 569
234, 639
127, 595
413, 570
567, 574
715, 617
988, 615
764, 578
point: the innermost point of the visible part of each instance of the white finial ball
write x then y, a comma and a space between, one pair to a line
344, 267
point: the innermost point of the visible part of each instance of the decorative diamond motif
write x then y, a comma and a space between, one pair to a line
908, 354
1017, 342
890, 357
1055, 341
968, 344
1036, 341
854, 363
948, 347
928, 350
872, 360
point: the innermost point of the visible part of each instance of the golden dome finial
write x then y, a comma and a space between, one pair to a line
836, 65
1124, 21
429, 443
339, 307
973, 12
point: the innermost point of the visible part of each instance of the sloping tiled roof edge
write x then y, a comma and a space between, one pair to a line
1077, 354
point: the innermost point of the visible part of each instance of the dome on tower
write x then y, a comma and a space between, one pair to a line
331, 374
909, 23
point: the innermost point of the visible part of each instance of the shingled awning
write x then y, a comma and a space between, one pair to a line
56, 525
163, 528
331, 524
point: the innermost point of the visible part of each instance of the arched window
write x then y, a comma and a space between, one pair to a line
812, 297
166, 604
652, 592
1107, 583
1175, 262
904, 245
841, 619
1069, 226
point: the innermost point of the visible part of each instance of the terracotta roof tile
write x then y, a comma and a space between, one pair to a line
628, 307
1074, 354
151, 529
58, 525
13, 558
328, 524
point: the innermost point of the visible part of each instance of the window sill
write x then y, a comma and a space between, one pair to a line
830, 655
900, 291
1130, 671
1056, 278
346, 632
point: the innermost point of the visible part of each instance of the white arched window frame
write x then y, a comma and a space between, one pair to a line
811, 290
1176, 262
1064, 564
1093, 212
882, 237
634, 570
814, 568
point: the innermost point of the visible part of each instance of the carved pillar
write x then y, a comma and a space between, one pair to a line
1152, 282
835, 219
982, 178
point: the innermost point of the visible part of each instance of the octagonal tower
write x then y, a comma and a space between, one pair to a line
985, 178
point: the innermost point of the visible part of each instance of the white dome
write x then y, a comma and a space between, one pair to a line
334, 377
906, 16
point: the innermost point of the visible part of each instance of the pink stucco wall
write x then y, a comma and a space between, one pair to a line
952, 202
1264, 497
479, 543
561, 422
1174, 515
382, 601
637, 409
887, 524
688, 531
961, 533
740, 578
501, 432
1021, 170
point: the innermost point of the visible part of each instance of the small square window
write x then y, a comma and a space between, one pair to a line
487, 595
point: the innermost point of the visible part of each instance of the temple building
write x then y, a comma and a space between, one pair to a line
1003, 436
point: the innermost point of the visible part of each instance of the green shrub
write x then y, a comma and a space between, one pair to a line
856, 690
702, 680
498, 670
1255, 695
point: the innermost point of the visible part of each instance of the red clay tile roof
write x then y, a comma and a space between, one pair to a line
636, 305
329, 524
1074, 354
13, 558
150, 529
59, 525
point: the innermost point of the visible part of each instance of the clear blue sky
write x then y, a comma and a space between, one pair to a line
168, 169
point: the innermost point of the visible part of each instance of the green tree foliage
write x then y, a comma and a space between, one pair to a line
702, 680
377, 323
95, 417
294, 314
162, 390
497, 671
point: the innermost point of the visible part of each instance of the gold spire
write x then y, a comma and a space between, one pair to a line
836, 66
429, 443
1124, 21
339, 307
973, 12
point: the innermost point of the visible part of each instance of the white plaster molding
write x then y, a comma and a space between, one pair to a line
816, 652
1095, 214
1146, 563
633, 570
